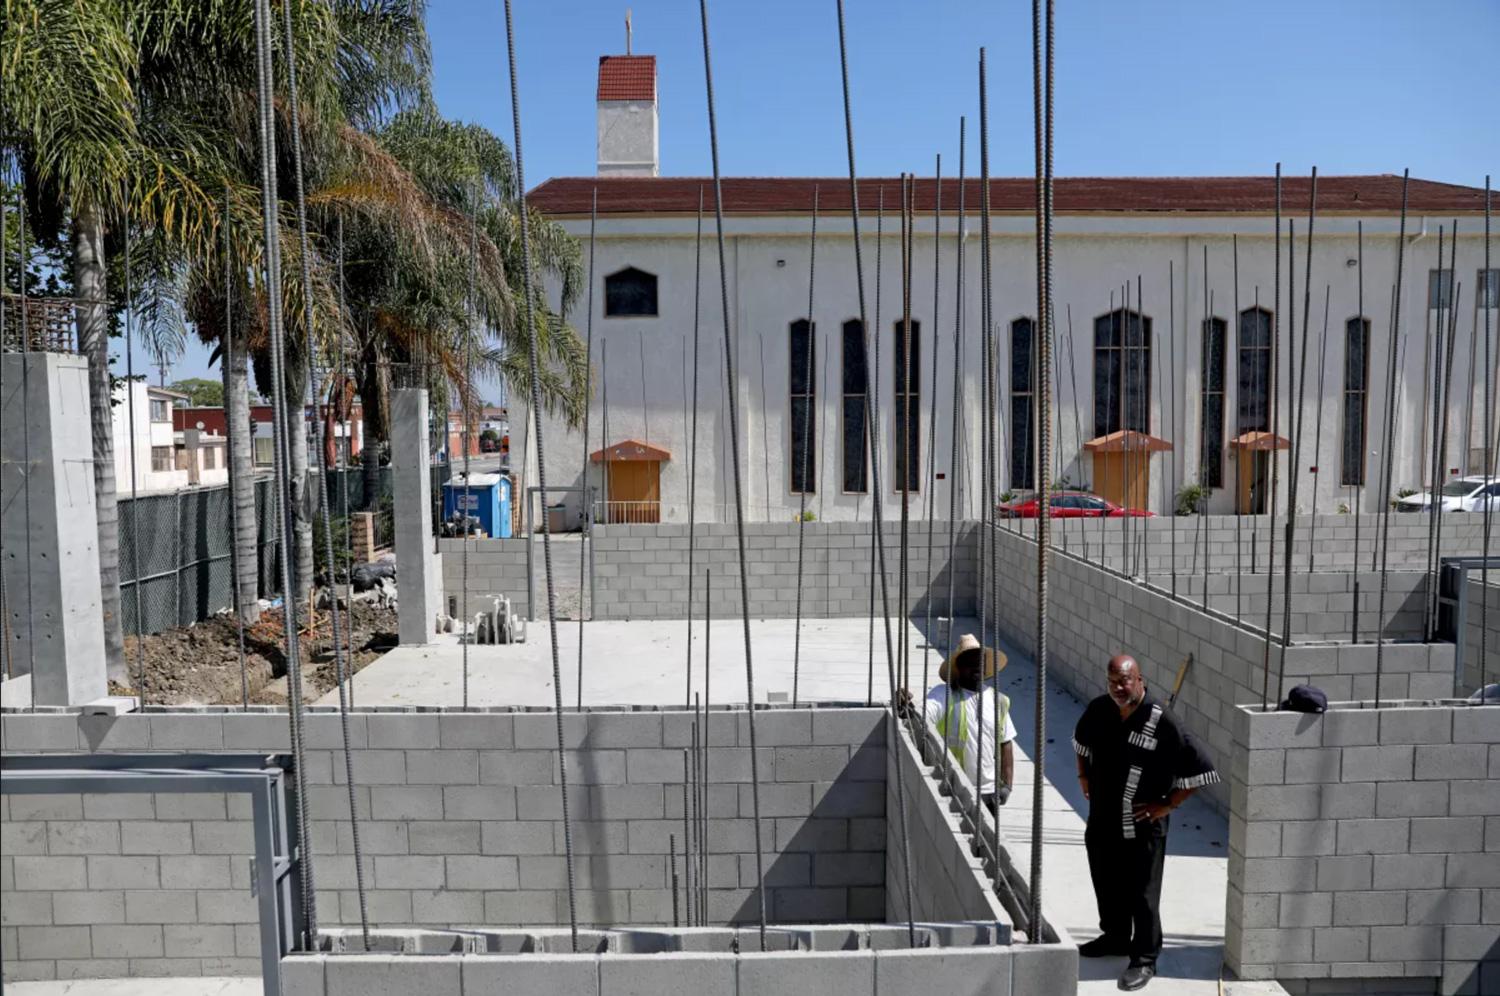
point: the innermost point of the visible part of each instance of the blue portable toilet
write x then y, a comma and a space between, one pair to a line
484, 496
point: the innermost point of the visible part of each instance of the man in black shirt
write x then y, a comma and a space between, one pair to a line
1135, 765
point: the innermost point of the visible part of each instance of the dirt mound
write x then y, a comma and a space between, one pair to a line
200, 664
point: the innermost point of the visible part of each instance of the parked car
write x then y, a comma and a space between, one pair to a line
1068, 505
1462, 494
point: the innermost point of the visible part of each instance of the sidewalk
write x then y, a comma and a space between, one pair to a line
1192, 897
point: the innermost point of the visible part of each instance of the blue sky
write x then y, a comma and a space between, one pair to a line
1145, 87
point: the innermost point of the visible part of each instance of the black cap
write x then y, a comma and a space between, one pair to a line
1305, 698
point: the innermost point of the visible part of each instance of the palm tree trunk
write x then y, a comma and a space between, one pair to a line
236, 372
91, 286
376, 433
297, 439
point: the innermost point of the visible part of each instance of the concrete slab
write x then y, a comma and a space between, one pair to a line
639, 662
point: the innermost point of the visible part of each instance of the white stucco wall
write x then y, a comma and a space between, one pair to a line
134, 395
628, 138
767, 265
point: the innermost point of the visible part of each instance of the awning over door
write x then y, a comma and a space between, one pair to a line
630, 449
1128, 441
1259, 439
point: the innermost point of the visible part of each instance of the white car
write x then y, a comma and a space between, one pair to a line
1462, 494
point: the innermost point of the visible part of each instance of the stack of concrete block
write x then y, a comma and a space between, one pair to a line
1095, 614
460, 821
496, 567
1365, 844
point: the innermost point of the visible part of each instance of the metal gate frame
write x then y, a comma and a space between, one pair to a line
274, 871
588, 492
1458, 569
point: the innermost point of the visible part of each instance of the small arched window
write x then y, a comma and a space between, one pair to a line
630, 293
1254, 387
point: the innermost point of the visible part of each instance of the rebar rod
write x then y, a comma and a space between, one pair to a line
690, 843
7, 656
587, 539
1299, 422
1275, 423
956, 487
281, 442
1203, 439
872, 412
931, 476
807, 444
1239, 570
1364, 378
1390, 407
872, 386
988, 404
765, 425
695, 777
1171, 348
1312, 536
528, 319
1036, 932
672, 863
135, 477
1078, 429
904, 441
692, 502
1491, 285
732, 397
1435, 456
22, 258
466, 400
707, 698
1437, 538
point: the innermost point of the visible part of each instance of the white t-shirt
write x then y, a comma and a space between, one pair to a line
962, 732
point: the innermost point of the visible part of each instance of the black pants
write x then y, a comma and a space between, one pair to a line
1127, 885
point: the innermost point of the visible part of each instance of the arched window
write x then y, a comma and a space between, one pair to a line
802, 351
908, 414
1356, 399
1022, 397
853, 430
630, 293
1122, 372
1254, 386
1212, 457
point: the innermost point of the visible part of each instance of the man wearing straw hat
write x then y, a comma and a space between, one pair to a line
960, 703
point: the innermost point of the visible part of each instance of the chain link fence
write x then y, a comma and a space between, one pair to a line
179, 543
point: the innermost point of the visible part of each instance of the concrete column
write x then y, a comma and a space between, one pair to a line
419, 572
52, 584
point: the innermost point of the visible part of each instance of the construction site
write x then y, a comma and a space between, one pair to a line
659, 696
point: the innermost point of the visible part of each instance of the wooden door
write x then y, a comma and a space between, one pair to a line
635, 491
1255, 478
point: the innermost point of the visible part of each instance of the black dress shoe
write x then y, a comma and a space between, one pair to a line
1136, 977
1104, 946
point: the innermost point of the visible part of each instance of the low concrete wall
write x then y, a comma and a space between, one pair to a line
1481, 668
460, 821
640, 571
1365, 844
496, 567
1322, 603
1096, 614
959, 958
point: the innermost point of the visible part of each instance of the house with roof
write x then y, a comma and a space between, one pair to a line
1172, 327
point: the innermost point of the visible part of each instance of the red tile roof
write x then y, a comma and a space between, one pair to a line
1378, 194
627, 77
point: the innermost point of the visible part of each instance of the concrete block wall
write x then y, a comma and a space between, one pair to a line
1481, 668
496, 567
460, 821
1097, 614
948, 881
641, 570
1365, 845
1332, 540
1322, 603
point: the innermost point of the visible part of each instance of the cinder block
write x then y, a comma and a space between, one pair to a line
665, 973
29, 837
410, 731
1440, 906
41, 732
968, 971
38, 873
1312, 764
1406, 871
481, 872
119, 806
1411, 798
1476, 725
1471, 798
811, 764
392, 975
538, 731
156, 837
1341, 943
1339, 874
127, 942
443, 836
487, 730
120, 872
223, 837
1310, 838
400, 802
1310, 909
83, 837
560, 975
409, 872
187, 732
264, 732
302, 975
442, 767
1390, 836
1364, 909
32, 909
1447, 835
1378, 764
834, 973
161, 906
443, 906
82, 907
198, 941
857, 727
1417, 725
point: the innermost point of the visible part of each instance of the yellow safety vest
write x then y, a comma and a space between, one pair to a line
960, 749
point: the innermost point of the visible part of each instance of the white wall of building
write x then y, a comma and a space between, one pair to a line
153, 446
628, 138
643, 363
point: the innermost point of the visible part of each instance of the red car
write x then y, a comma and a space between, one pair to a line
1068, 505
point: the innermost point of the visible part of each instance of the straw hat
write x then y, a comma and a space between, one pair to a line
994, 660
